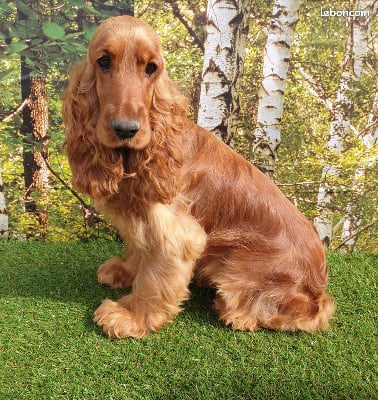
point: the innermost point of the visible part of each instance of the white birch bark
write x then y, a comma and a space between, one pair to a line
226, 30
267, 135
4, 226
353, 212
370, 136
355, 53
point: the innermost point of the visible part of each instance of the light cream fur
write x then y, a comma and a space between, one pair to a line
159, 267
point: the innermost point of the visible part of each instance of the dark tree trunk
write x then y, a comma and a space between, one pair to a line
34, 130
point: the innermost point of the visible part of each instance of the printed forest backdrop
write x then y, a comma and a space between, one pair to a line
291, 85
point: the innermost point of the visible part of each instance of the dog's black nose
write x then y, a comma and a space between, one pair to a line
125, 128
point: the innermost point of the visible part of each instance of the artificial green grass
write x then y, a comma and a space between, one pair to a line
50, 348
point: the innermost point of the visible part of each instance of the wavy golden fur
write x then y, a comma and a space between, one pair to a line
184, 202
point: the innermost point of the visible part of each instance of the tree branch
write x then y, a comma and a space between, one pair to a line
364, 228
305, 183
177, 13
89, 210
16, 111
317, 91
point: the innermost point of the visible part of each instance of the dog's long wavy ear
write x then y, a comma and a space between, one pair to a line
96, 170
168, 116
169, 105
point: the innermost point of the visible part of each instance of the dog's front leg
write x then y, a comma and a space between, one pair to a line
175, 242
157, 293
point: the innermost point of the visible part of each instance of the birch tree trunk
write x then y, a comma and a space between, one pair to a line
370, 137
267, 135
356, 49
354, 209
226, 31
4, 225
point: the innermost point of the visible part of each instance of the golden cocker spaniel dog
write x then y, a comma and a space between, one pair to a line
185, 204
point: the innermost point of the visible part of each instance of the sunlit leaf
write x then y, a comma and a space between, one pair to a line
17, 47
53, 30
89, 30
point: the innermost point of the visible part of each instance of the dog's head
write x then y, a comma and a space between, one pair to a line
119, 97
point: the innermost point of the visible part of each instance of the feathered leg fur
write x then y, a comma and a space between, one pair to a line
171, 244
254, 292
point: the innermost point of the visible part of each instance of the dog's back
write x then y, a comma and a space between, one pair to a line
263, 256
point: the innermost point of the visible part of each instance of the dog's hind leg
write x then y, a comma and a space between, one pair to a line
287, 312
259, 290
119, 273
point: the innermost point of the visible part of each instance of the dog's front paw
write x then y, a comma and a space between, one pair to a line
117, 321
114, 274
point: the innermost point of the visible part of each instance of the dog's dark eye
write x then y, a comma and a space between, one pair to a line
150, 68
104, 63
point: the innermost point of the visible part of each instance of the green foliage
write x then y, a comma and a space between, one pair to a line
54, 36
51, 349
318, 48
183, 57
43, 33
50, 37
53, 30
